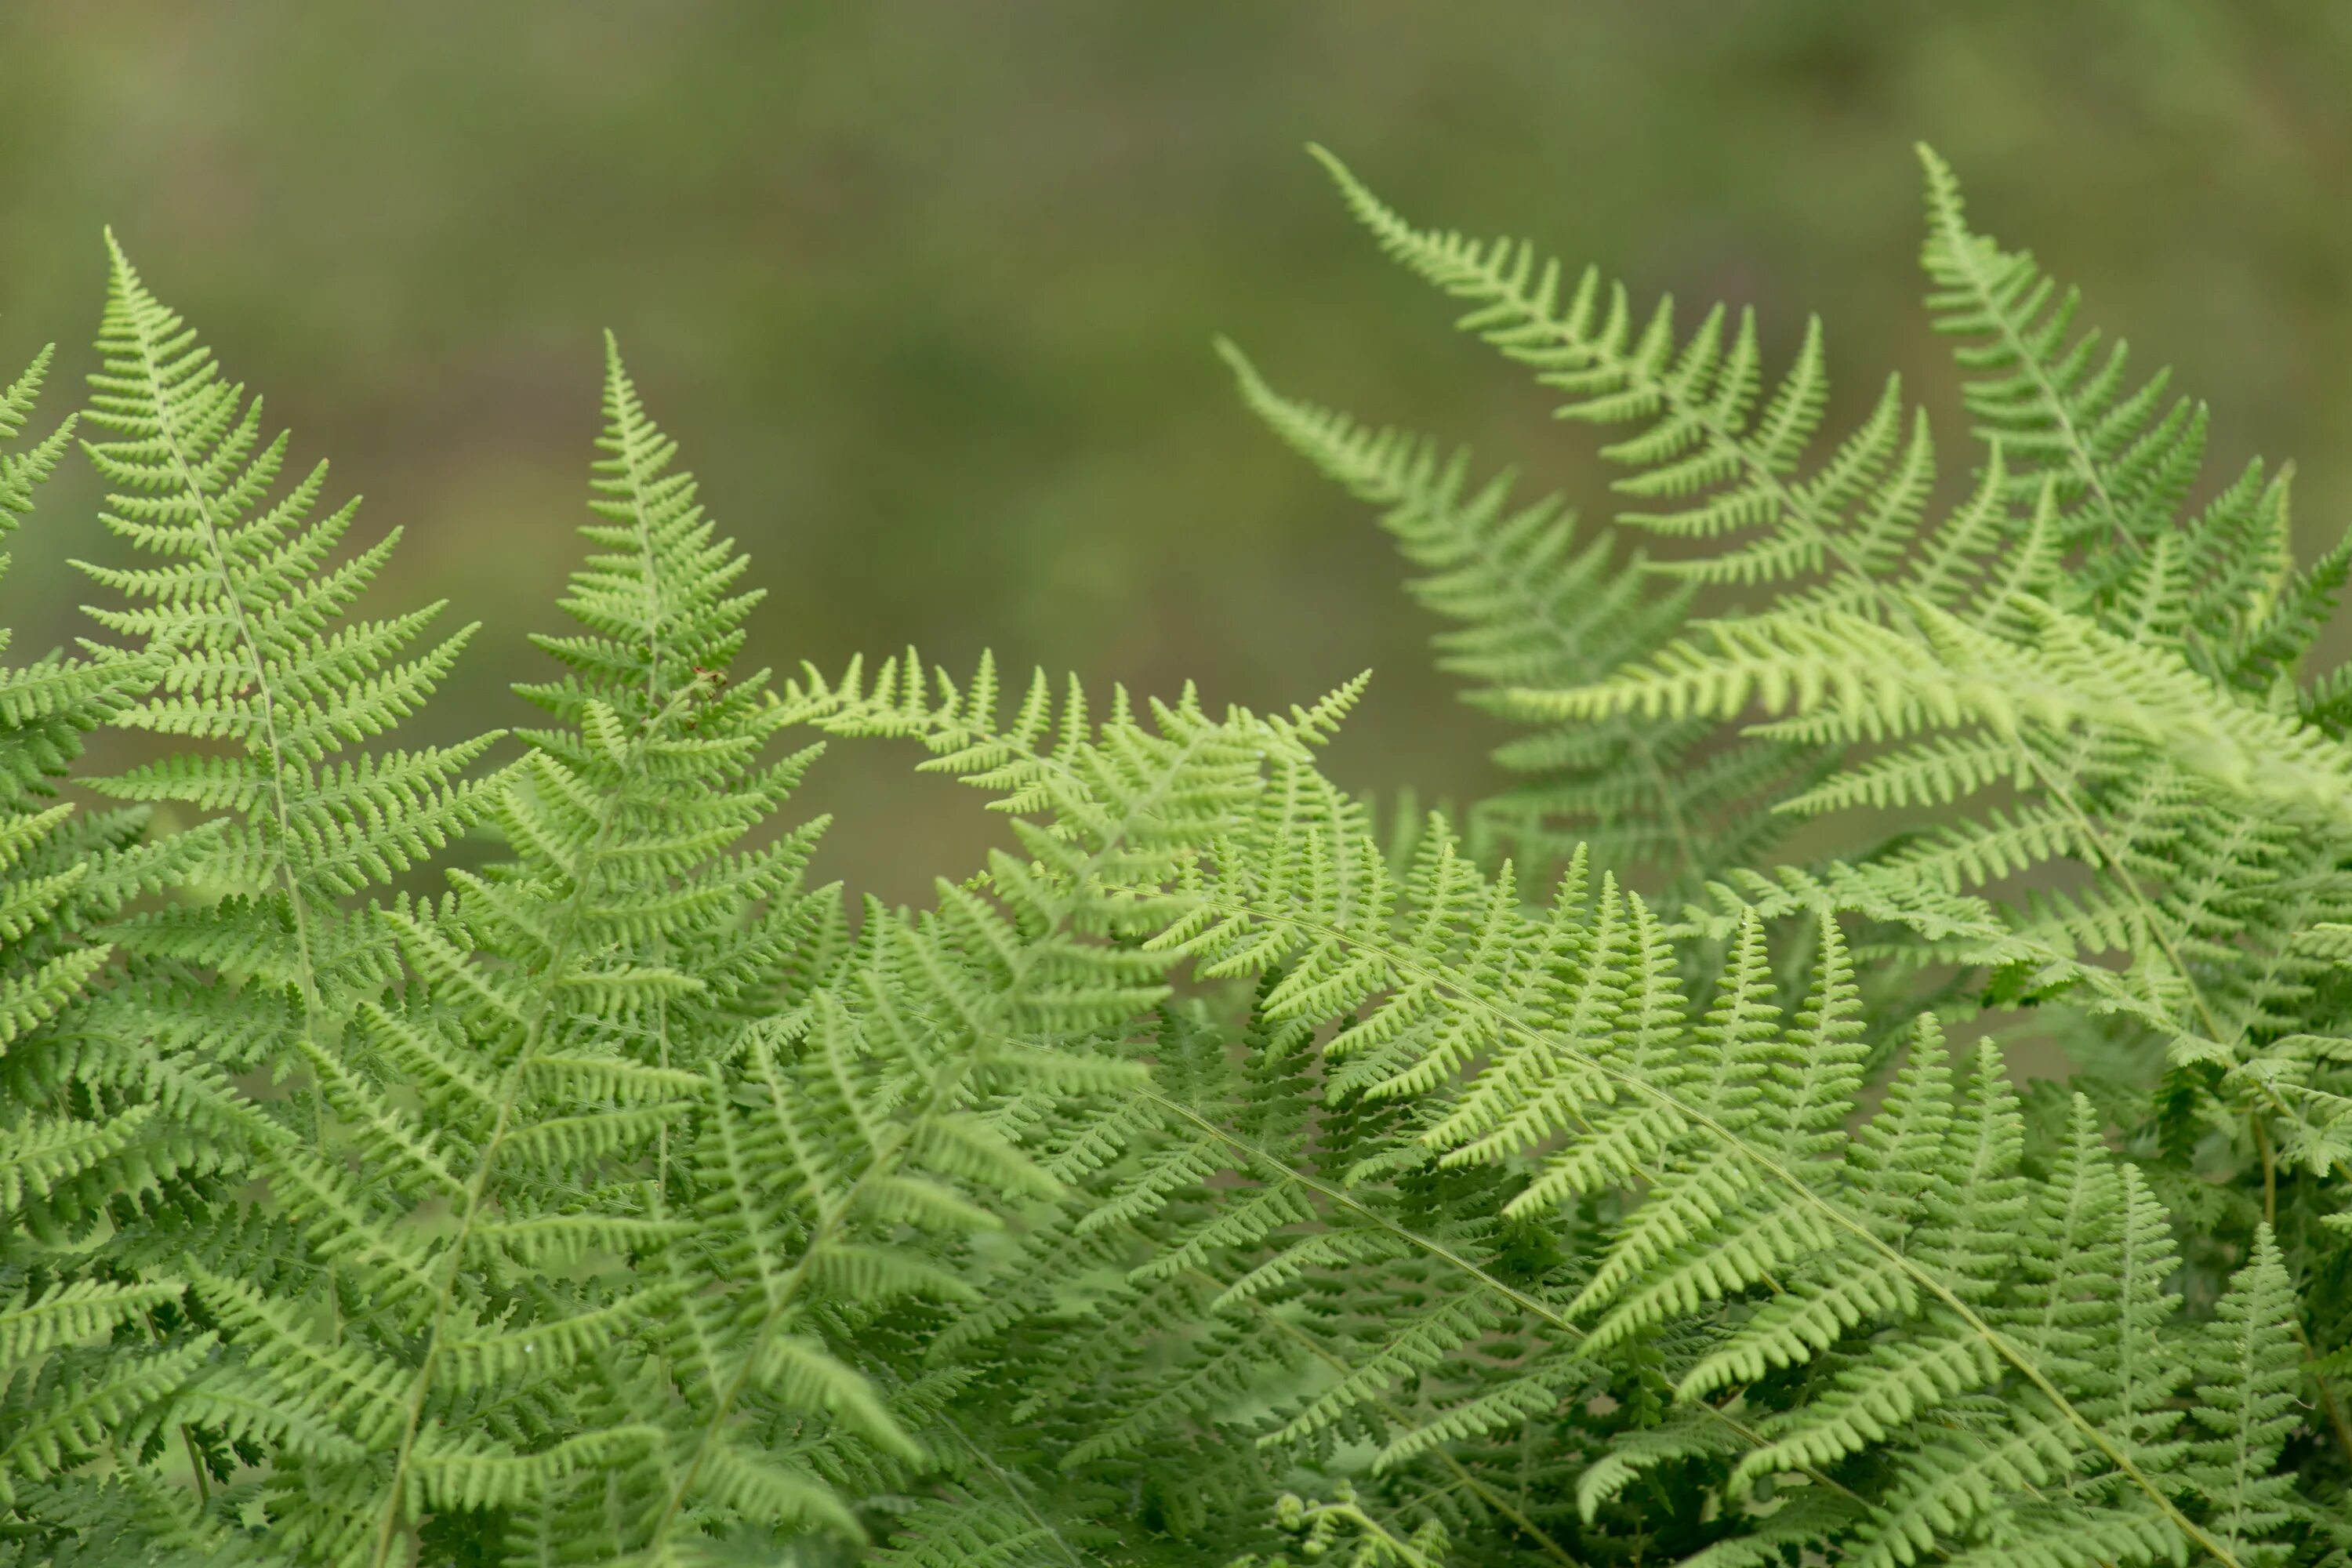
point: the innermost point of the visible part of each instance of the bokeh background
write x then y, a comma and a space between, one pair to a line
927, 287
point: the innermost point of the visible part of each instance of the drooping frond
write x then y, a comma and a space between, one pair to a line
2069, 692
1715, 459
1535, 610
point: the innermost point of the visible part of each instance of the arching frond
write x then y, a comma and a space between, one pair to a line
1873, 1279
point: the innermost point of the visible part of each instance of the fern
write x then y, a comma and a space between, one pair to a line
1735, 1137
258, 653
1209, 1177
1539, 612
2068, 693
80, 1140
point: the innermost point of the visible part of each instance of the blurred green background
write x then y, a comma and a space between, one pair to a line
926, 286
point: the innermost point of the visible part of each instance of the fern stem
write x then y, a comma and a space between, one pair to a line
1403, 1552
627, 418
196, 1464
2270, 1169
187, 1438
1019, 1495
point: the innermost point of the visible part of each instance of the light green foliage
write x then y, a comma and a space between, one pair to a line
79, 1131
1211, 1176
1537, 610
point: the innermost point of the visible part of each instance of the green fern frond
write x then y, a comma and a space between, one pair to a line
249, 626
1733, 1137
1707, 437
76, 1136
1534, 610
2119, 460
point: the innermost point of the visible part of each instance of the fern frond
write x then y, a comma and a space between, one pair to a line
2059, 404
1733, 1136
248, 628
76, 1137
1533, 609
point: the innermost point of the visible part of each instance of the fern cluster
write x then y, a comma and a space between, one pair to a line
1611, 1174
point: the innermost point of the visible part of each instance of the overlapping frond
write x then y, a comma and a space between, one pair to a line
1209, 1178
74, 1136
1534, 609
1866, 1290
2072, 691
555, 1040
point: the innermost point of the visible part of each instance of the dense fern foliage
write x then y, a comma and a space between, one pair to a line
1871, 1088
